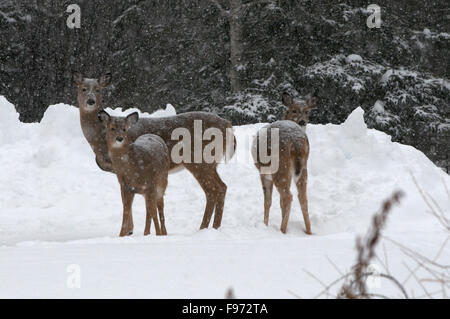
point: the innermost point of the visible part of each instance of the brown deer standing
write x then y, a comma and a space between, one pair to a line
141, 167
90, 103
293, 152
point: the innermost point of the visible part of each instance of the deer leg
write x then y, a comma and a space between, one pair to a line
221, 190
204, 175
285, 202
151, 207
283, 183
303, 199
210, 203
127, 221
161, 215
148, 218
130, 222
267, 185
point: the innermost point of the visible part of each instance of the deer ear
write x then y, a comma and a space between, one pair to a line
287, 99
312, 102
77, 78
132, 118
104, 117
105, 80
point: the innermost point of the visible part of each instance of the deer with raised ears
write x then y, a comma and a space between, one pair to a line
205, 172
89, 104
141, 167
290, 151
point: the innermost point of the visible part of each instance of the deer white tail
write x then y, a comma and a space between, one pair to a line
297, 161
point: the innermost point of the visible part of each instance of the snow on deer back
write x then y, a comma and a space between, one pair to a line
280, 151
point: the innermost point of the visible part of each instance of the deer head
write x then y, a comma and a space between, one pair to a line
90, 91
117, 128
298, 111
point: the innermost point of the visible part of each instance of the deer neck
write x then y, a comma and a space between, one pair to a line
120, 158
95, 133
92, 128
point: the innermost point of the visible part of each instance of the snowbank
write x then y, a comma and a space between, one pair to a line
353, 58
57, 208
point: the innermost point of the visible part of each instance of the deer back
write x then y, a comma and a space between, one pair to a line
292, 142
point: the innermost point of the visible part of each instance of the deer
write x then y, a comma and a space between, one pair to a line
90, 104
292, 157
141, 167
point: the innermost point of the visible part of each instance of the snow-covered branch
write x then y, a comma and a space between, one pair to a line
223, 12
7, 17
256, 2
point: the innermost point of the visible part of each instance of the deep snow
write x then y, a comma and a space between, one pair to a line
57, 208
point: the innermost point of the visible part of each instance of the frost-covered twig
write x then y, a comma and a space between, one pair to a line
354, 282
355, 287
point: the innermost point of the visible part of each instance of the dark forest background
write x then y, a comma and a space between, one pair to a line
235, 57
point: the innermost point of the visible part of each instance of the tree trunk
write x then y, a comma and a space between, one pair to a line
236, 47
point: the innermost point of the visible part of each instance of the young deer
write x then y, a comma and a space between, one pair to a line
141, 167
90, 103
293, 150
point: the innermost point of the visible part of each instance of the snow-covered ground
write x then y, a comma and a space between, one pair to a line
60, 217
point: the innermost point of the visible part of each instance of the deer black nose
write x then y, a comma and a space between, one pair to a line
119, 139
302, 123
91, 102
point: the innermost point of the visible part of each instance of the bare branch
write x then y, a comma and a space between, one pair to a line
356, 286
418, 256
441, 249
327, 288
396, 282
445, 185
314, 277
363, 275
439, 216
418, 281
429, 294
294, 294
354, 282
410, 275
335, 266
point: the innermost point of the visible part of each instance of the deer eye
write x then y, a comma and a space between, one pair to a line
123, 130
113, 129
84, 89
97, 90
294, 111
